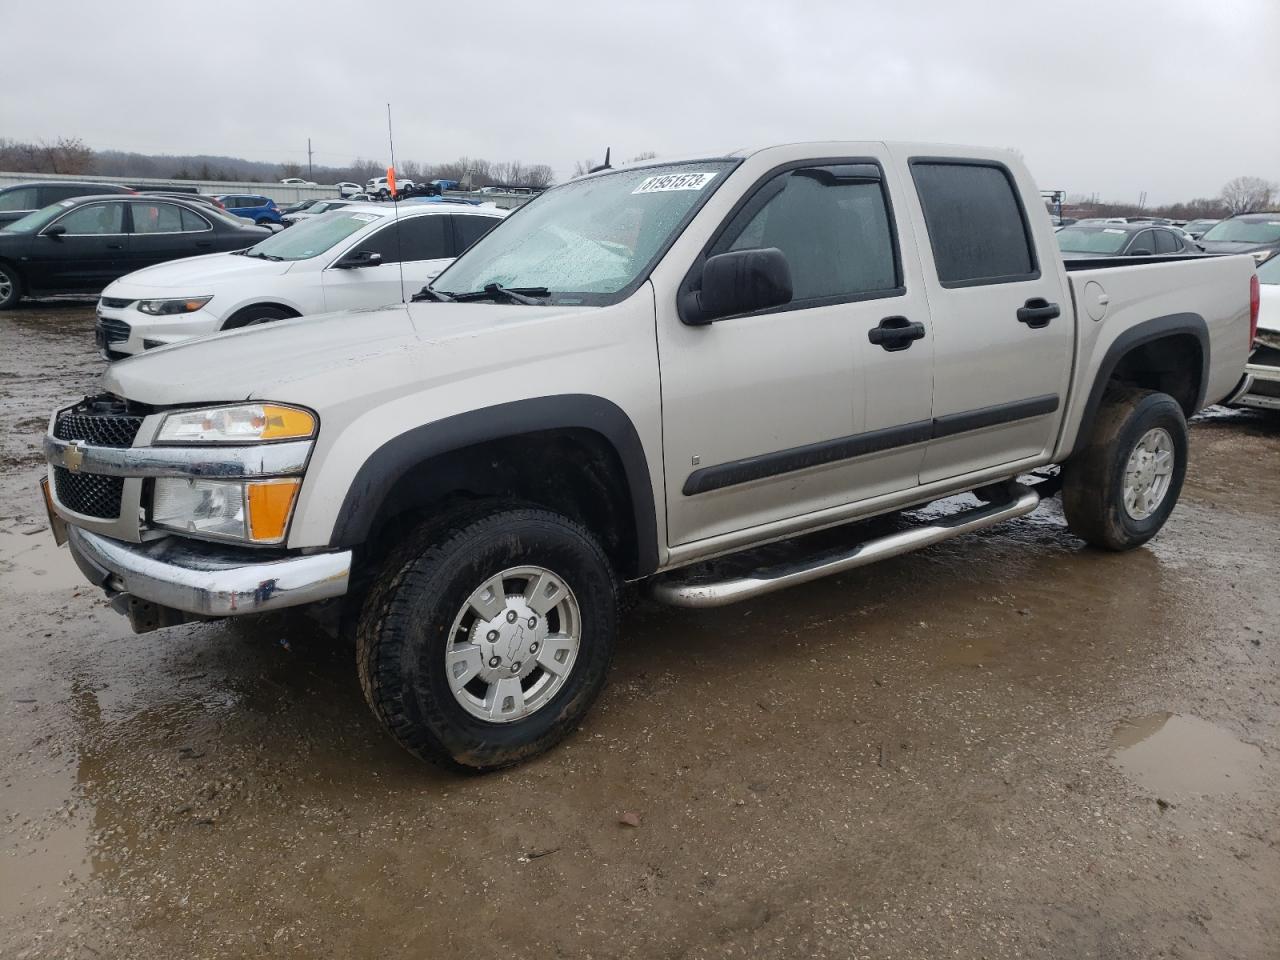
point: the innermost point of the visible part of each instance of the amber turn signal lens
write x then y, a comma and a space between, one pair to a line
286, 423
270, 504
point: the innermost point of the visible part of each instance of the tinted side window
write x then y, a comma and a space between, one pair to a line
976, 227
53, 194
24, 198
425, 238
193, 221
467, 230
1144, 244
383, 242
1167, 242
96, 218
834, 230
156, 218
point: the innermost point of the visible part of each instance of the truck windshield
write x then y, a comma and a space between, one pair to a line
590, 239
1246, 231
312, 236
1078, 240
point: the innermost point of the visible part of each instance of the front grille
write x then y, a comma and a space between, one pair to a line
115, 303
113, 331
1266, 388
88, 494
101, 421
1266, 356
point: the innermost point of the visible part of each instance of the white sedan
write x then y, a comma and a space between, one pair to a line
350, 258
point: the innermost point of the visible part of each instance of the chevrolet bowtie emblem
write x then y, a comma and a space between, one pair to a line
73, 456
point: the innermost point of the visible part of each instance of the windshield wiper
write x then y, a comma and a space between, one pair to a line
264, 256
434, 296
494, 291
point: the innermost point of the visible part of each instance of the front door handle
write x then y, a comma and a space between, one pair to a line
1037, 312
115, 246
895, 333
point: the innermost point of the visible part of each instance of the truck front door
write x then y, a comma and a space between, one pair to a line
1003, 322
788, 411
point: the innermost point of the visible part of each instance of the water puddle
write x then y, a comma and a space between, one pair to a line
1173, 754
30, 562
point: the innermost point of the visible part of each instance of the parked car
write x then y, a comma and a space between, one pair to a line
298, 182
381, 186
347, 259
261, 210
81, 245
1196, 228
18, 200
1257, 234
1087, 240
297, 207
1263, 369
314, 210
347, 189
643, 369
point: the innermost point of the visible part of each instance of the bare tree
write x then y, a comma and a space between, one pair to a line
583, 167
290, 169
65, 155
539, 176
1248, 194
646, 155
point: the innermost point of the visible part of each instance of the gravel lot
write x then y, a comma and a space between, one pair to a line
1005, 746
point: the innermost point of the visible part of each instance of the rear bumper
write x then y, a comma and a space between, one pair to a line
207, 580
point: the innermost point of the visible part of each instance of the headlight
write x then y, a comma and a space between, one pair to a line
167, 308
253, 511
243, 423
1262, 256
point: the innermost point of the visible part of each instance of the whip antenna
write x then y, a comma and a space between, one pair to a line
395, 204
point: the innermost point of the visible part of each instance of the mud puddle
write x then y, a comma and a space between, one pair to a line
1172, 754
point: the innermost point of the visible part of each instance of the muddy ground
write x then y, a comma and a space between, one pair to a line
1005, 746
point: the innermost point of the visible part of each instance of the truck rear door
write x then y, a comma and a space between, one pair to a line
1003, 323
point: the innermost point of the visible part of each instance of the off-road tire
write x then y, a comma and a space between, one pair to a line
1093, 480
407, 615
9, 301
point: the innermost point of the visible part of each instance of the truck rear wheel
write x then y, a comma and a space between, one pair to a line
487, 638
1118, 492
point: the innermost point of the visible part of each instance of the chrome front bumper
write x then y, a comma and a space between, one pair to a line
1252, 395
207, 580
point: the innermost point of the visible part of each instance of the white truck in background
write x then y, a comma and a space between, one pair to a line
639, 370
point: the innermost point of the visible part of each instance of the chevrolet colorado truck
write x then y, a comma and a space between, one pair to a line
640, 370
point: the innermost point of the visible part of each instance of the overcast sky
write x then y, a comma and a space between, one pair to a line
1171, 97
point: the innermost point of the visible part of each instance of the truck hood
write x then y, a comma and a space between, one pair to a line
310, 359
256, 362
183, 277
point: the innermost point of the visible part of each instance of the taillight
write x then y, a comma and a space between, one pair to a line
1255, 306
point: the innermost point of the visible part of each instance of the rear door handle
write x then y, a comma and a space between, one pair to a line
115, 246
1037, 312
895, 333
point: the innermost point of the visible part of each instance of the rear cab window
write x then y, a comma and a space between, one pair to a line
977, 227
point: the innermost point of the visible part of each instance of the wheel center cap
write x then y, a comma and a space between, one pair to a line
510, 641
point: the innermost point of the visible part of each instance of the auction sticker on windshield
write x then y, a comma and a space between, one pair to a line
675, 181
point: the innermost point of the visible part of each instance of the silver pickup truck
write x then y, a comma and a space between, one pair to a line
639, 370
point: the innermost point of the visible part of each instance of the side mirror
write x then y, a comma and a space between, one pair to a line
740, 281
57, 230
1141, 252
359, 258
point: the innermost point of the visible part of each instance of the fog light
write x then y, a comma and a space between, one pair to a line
253, 511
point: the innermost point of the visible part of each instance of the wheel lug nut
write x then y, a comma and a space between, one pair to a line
515, 667
493, 636
533, 622
495, 661
533, 647
511, 616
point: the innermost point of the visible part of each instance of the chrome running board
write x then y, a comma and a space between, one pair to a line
702, 593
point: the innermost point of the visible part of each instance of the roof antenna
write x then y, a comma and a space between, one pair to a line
604, 166
395, 204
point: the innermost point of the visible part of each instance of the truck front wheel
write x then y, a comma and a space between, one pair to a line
1118, 492
487, 638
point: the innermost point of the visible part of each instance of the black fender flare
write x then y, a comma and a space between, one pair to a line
381, 471
1146, 332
